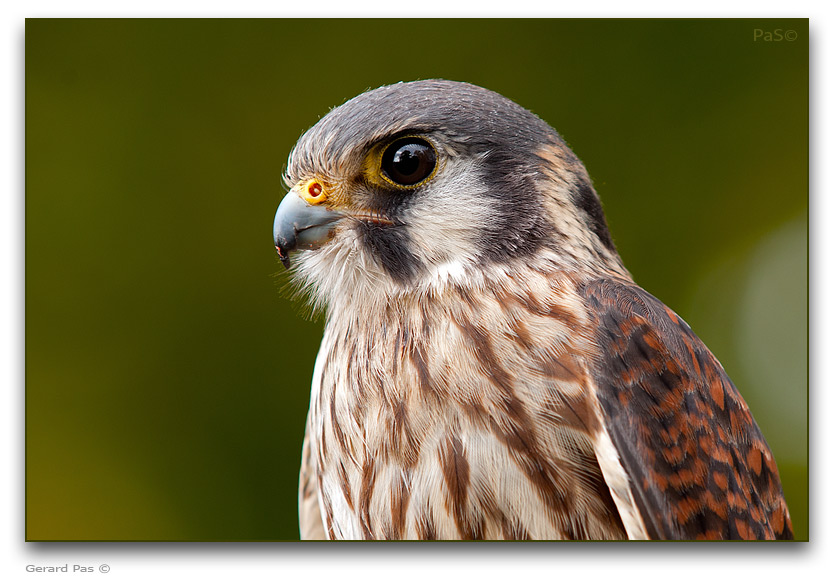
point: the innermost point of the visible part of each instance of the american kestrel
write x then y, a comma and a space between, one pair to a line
489, 369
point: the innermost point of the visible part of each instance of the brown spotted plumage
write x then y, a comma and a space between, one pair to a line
700, 467
489, 370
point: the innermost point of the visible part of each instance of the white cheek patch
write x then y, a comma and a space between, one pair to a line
446, 220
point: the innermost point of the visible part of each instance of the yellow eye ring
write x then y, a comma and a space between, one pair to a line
408, 162
313, 192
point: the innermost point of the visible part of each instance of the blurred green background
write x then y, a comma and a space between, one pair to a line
167, 374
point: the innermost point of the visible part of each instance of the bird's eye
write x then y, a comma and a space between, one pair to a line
408, 161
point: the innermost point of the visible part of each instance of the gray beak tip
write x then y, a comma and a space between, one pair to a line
284, 255
299, 225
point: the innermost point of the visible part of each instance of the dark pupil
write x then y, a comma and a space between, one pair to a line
408, 161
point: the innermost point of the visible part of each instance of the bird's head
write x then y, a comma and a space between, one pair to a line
415, 185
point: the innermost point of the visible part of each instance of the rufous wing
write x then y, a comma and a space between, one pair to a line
697, 464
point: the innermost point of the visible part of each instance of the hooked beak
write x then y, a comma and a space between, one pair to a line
300, 225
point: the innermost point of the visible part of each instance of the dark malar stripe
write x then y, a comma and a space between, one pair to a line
391, 248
